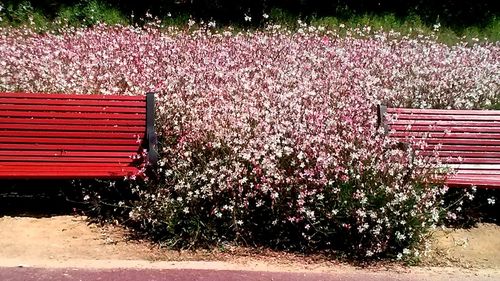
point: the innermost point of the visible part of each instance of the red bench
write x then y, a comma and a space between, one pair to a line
468, 141
60, 136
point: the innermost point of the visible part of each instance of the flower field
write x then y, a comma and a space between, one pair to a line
269, 137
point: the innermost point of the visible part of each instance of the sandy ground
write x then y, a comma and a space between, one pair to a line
55, 241
478, 247
65, 237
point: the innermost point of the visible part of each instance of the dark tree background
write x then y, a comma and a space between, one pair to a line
455, 13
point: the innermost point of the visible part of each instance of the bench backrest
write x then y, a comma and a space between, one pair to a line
74, 136
466, 140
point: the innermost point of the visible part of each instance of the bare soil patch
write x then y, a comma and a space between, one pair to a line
477, 247
57, 239
66, 237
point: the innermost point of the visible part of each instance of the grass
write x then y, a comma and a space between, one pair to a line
495, 106
88, 13
81, 14
413, 25
91, 13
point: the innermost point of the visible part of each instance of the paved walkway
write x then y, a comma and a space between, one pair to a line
113, 270
29, 274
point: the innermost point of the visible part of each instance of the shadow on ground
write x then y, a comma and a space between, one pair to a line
483, 208
29, 198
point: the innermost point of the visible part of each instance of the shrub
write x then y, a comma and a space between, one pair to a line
89, 13
269, 137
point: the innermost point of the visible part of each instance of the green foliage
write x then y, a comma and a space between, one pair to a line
281, 16
495, 106
413, 25
84, 13
178, 20
90, 13
22, 13
492, 30
405, 18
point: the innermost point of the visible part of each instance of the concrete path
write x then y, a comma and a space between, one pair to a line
29, 274
112, 270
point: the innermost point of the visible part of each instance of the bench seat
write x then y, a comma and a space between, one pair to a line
467, 141
63, 136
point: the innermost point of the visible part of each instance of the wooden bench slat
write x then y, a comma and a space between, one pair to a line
73, 102
478, 172
444, 124
75, 115
443, 111
50, 169
489, 118
482, 154
47, 165
440, 135
467, 160
73, 135
458, 148
70, 96
484, 167
66, 159
79, 147
64, 153
476, 176
35, 172
471, 180
82, 142
494, 142
75, 108
46, 121
451, 129
58, 128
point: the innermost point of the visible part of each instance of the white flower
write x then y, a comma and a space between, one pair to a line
491, 201
310, 214
133, 215
451, 216
266, 16
400, 236
185, 210
248, 18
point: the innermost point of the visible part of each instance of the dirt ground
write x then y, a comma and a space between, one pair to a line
60, 238
477, 247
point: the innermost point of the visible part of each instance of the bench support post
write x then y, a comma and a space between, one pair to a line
150, 129
381, 121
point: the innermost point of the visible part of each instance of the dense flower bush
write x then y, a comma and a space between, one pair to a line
270, 137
